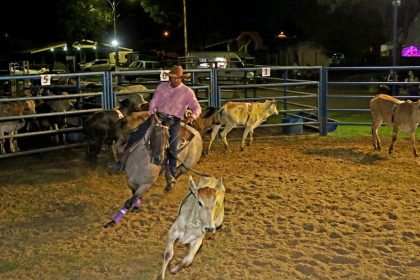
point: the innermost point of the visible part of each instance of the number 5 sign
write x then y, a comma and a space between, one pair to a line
45, 80
164, 75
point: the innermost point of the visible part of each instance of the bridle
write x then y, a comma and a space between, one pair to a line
163, 139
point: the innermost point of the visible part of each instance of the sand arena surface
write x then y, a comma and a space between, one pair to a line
296, 208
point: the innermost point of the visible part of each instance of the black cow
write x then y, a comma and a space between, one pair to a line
100, 127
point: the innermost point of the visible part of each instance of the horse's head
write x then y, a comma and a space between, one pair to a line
158, 141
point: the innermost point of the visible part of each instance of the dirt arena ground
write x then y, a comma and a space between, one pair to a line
296, 208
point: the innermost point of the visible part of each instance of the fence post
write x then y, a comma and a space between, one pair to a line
285, 79
215, 89
212, 93
322, 102
107, 91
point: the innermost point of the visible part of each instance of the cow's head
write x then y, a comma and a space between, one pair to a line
272, 107
210, 195
29, 107
133, 103
216, 117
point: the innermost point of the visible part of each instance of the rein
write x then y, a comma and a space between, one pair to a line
192, 169
146, 140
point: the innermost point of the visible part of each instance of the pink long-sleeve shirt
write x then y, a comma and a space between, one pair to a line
174, 101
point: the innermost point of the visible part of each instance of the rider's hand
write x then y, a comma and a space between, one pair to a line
190, 120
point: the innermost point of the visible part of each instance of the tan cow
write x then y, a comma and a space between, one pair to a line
11, 127
381, 109
406, 118
201, 212
402, 115
134, 93
249, 114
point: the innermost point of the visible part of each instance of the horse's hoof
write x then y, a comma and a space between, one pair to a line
168, 188
110, 224
135, 209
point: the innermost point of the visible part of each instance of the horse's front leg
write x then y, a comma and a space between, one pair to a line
134, 201
136, 204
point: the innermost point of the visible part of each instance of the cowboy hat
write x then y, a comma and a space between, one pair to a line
178, 72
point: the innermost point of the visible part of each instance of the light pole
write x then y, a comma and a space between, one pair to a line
114, 5
185, 28
395, 4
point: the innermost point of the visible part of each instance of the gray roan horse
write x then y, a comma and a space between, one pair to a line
147, 160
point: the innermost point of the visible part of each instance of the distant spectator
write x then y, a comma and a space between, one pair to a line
412, 89
391, 89
295, 71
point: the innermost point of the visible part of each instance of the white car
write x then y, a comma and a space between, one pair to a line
17, 69
138, 65
97, 65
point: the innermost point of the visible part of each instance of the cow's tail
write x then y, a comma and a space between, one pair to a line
396, 105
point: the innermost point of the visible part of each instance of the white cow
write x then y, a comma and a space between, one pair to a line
249, 114
200, 212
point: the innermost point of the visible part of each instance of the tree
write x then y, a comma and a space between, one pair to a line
382, 10
84, 19
353, 27
164, 11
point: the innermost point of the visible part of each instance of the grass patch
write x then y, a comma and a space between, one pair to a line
350, 132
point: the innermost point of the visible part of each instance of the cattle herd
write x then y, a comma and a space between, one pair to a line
28, 107
202, 209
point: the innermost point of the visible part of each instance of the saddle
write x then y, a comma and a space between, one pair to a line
185, 137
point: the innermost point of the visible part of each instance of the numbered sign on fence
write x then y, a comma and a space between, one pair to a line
164, 75
266, 72
46, 80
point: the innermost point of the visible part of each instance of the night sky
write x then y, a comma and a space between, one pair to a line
35, 23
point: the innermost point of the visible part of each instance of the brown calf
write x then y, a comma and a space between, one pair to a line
207, 120
402, 115
406, 117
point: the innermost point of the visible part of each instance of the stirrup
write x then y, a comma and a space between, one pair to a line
172, 179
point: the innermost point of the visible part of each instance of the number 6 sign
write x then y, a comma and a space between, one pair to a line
164, 75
